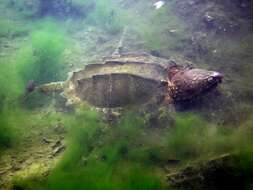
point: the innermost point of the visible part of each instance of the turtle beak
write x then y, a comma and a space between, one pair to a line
214, 79
217, 77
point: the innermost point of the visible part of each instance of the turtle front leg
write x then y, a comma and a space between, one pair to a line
168, 99
166, 95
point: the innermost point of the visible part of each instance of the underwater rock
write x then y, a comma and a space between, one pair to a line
221, 22
56, 144
216, 173
208, 16
58, 147
16, 166
63, 8
57, 8
46, 141
58, 150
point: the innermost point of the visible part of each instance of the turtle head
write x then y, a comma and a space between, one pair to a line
214, 78
189, 83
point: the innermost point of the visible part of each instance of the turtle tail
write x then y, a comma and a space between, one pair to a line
44, 88
51, 87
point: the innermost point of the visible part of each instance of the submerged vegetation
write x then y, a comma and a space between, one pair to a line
120, 156
89, 164
41, 60
137, 150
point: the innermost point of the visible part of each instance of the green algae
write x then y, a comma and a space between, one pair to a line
41, 60
9, 92
101, 165
38, 59
90, 165
119, 156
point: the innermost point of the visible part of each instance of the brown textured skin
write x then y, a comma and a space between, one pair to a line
185, 84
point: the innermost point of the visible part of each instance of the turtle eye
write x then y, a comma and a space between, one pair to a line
164, 83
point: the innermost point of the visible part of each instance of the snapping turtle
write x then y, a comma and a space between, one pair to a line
134, 79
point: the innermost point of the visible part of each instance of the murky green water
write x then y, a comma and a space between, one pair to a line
47, 143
